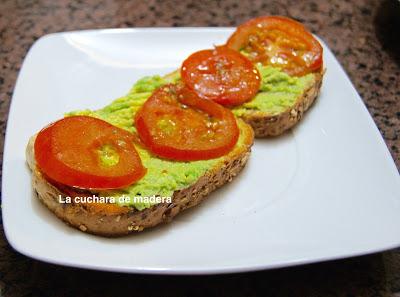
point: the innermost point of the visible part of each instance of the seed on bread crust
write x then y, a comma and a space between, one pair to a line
83, 228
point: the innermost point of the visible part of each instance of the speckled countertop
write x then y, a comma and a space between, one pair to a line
364, 36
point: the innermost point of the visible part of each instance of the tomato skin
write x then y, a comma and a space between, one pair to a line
197, 129
222, 75
66, 152
298, 48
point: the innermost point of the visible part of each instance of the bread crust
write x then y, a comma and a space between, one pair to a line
119, 224
265, 125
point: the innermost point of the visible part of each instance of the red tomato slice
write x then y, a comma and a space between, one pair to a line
69, 152
222, 75
175, 123
280, 42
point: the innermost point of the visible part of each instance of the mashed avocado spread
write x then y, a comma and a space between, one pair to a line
277, 92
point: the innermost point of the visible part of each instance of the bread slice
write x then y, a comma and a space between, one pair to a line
124, 220
265, 124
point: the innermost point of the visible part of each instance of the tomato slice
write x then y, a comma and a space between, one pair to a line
221, 74
87, 152
280, 42
175, 123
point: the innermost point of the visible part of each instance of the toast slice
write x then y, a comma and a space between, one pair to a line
118, 220
266, 124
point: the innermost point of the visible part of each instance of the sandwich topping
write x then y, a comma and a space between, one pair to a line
222, 75
87, 152
163, 176
175, 123
279, 42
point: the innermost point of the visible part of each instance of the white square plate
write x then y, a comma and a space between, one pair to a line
327, 190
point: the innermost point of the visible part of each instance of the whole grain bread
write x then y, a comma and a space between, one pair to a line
264, 124
124, 220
